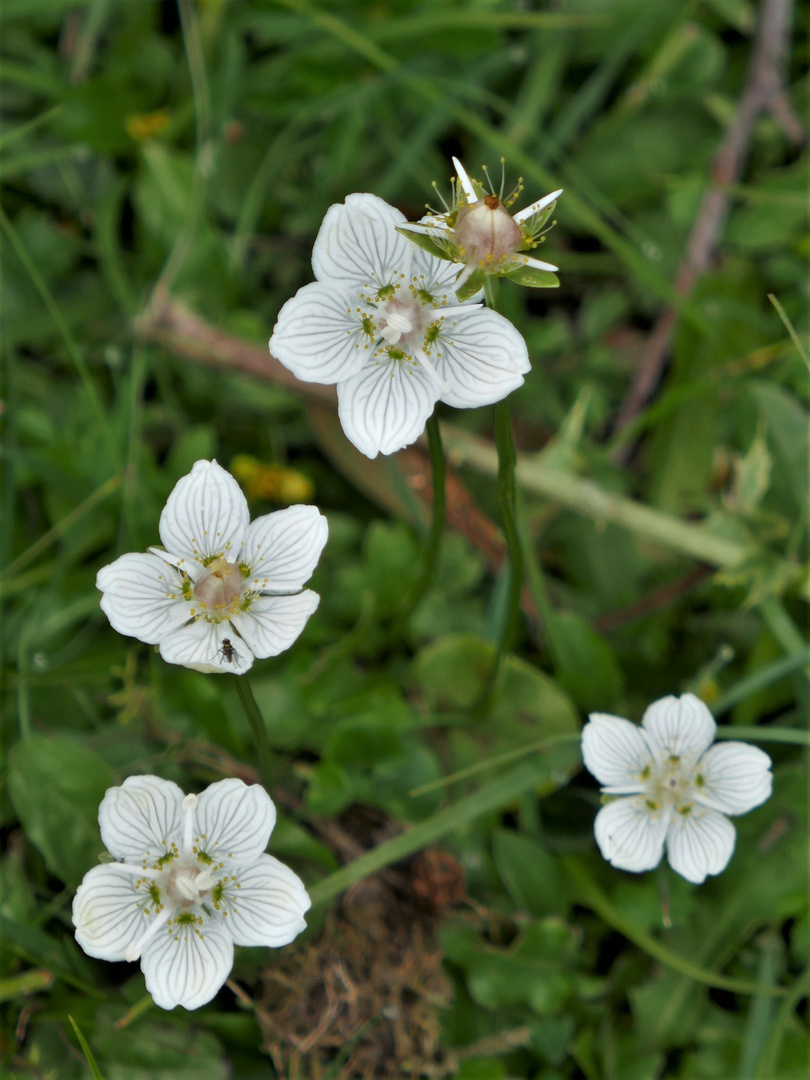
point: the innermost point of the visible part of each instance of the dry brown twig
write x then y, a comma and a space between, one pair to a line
764, 92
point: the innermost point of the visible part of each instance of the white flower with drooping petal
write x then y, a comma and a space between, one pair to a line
478, 231
382, 323
190, 881
225, 589
675, 789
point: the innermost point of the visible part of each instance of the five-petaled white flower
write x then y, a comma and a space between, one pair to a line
191, 880
673, 789
477, 230
226, 589
382, 322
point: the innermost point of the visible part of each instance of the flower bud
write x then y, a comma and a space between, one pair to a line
485, 232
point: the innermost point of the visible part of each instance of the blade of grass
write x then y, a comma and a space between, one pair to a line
430, 23
28, 982
769, 1058
777, 618
491, 763
494, 796
17, 133
761, 1011
62, 527
593, 897
64, 332
790, 329
88, 1053
204, 150
765, 734
758, 680
107, 221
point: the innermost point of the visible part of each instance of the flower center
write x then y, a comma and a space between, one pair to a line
485, 232
400, 322
220, 586
671, 782
187, 884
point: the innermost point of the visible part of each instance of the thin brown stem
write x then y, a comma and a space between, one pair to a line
764, 92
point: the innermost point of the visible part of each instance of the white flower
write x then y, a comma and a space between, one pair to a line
382, 322
226, 589
190, 881
673, 789
478, 231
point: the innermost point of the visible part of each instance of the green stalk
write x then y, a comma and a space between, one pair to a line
430, 553
507, 496
256, 721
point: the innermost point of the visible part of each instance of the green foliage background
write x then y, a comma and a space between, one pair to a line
149, 150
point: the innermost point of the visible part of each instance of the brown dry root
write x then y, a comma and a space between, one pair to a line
363, 999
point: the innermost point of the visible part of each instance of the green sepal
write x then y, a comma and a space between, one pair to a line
534, 278
471, 286
427, 243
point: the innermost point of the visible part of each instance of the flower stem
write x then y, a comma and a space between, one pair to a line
507, 495
430, 553
256, 721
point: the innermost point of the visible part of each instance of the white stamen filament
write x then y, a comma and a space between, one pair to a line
188, 807
136, 948
424, 360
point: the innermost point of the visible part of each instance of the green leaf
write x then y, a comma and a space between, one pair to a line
787, 429
451, 675
537, 971
56, 786
584, 662
530, 875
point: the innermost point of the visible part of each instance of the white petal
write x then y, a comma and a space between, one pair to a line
466, 183
206, 515
269, 907
319, 335
141, 819
233, 821
481, 356
615, 752
699, 842
106, 913
186, 965
630, 834
534, 264
386, 406
679, 727
358, 243
536, 207
272, 623
213, 648
733, 777
282, 549
142, 597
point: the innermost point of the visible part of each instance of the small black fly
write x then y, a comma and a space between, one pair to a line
228, 652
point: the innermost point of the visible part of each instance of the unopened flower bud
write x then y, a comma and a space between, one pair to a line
485, 232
